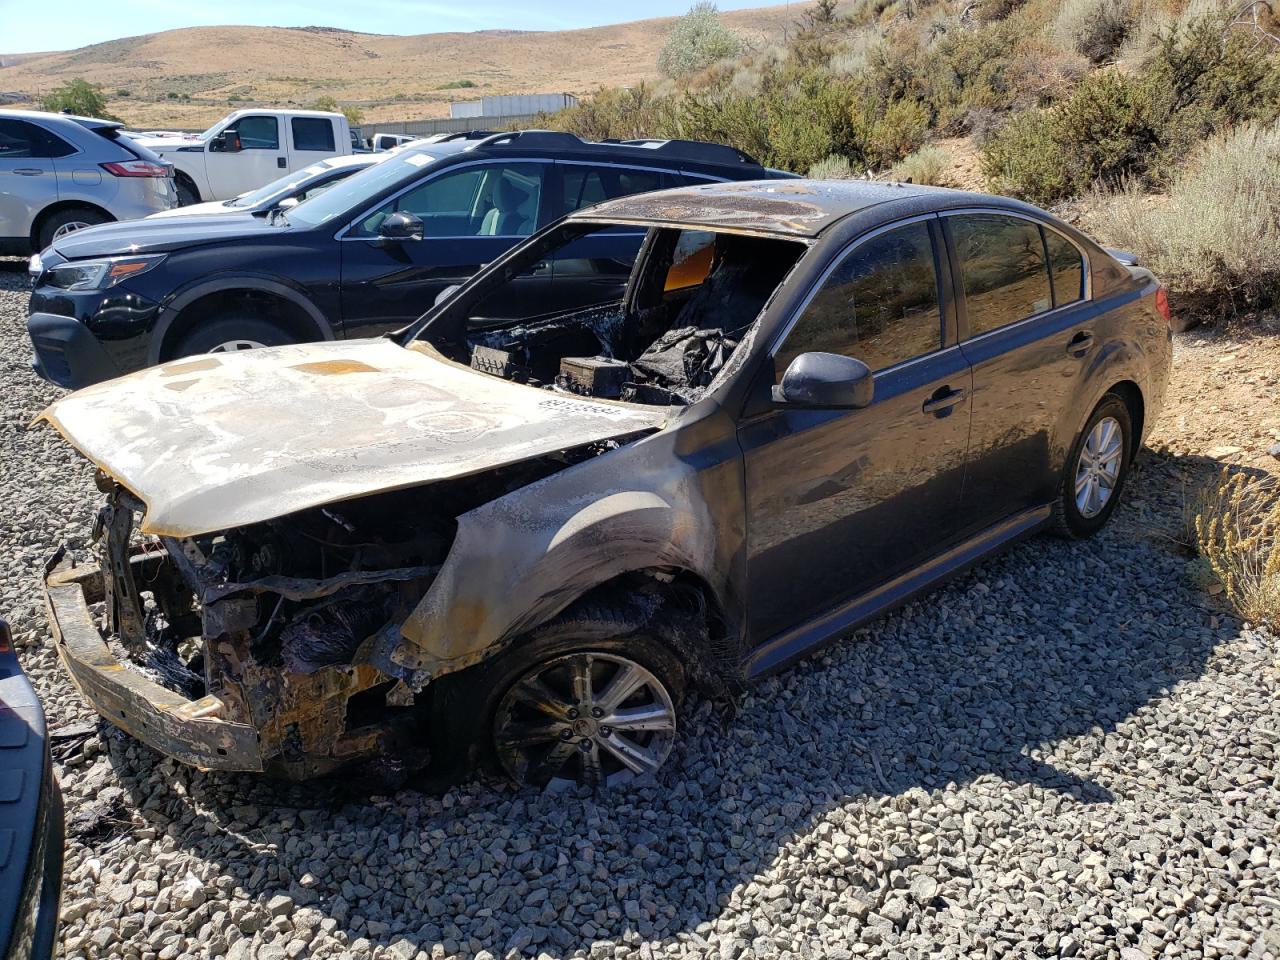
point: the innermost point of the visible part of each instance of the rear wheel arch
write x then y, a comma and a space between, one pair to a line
272, 301
1131, 394
43, 217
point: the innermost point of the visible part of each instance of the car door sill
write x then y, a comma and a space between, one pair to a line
786, 647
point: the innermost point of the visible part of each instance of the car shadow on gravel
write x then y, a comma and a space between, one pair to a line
1017, 675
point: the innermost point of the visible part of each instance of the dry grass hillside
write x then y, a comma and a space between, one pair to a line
190, 77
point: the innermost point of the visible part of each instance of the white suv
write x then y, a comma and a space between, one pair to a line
59, 173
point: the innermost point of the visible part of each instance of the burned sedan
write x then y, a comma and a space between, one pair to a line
522, 543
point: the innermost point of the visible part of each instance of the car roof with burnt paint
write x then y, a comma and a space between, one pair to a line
790, 208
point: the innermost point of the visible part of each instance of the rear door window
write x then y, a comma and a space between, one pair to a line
1002, 268
20, 140
585, 185
312, 133
879, 305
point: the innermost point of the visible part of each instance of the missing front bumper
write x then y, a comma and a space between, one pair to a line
187, 730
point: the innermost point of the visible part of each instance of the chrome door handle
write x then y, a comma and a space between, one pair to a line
28, 171
942, 400
1080, 344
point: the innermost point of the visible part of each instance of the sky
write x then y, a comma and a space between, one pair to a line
27, 27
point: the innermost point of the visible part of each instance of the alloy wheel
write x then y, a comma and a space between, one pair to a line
233, 346
71, 227
591, 719
1098, 469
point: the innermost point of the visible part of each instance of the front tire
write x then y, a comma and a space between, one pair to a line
1097, 466
230, 335
589, 699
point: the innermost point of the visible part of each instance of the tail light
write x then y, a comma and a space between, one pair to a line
137, 168
1162, 304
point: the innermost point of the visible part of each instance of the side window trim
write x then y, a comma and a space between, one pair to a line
957, 283
390, 198
1087, 291
942, 270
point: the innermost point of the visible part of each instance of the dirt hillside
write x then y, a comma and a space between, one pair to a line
191, 77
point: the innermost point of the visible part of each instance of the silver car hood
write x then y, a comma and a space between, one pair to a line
220, 441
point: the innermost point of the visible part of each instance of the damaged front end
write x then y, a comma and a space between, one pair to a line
248, 650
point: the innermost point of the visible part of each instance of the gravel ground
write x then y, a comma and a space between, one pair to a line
1068, 752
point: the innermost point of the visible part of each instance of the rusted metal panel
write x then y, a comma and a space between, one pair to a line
216, 443
185, 729
796, 208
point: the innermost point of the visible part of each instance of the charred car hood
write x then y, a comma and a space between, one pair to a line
160, 235
215, 442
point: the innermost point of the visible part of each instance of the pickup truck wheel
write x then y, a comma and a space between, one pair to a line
230, 335
1096, 468
589, 699
67, 221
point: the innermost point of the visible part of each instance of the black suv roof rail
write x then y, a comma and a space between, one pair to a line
532, 138
696, 150
691, 150
468, 135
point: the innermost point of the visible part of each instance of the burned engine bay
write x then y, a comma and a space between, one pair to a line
691, 300
276, 625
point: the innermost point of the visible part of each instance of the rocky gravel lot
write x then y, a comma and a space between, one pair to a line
1069, 752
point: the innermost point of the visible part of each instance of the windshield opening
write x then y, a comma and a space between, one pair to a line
662, 338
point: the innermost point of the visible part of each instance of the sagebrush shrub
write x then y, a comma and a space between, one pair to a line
1095, 28
1216, 235
1236, 521
697, 40
928, 165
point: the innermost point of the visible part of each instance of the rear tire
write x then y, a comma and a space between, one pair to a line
1097, 466
475, 712
231, 334
63, 222
187, 192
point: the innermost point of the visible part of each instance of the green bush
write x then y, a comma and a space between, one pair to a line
458, 85
697, 40
1106, 130
77, 96
1203, 83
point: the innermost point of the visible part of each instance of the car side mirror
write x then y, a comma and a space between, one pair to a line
400, 226
826, 380
288, 203
446, 293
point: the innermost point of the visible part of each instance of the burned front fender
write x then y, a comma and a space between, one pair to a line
519, 560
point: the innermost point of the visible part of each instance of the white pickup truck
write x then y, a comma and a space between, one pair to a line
249, 148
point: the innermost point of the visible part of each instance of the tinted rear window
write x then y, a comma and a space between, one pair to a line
1003, 269
312, 133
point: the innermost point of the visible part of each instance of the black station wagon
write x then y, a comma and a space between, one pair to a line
523, 542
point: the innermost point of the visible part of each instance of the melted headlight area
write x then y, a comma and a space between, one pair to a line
279, 625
